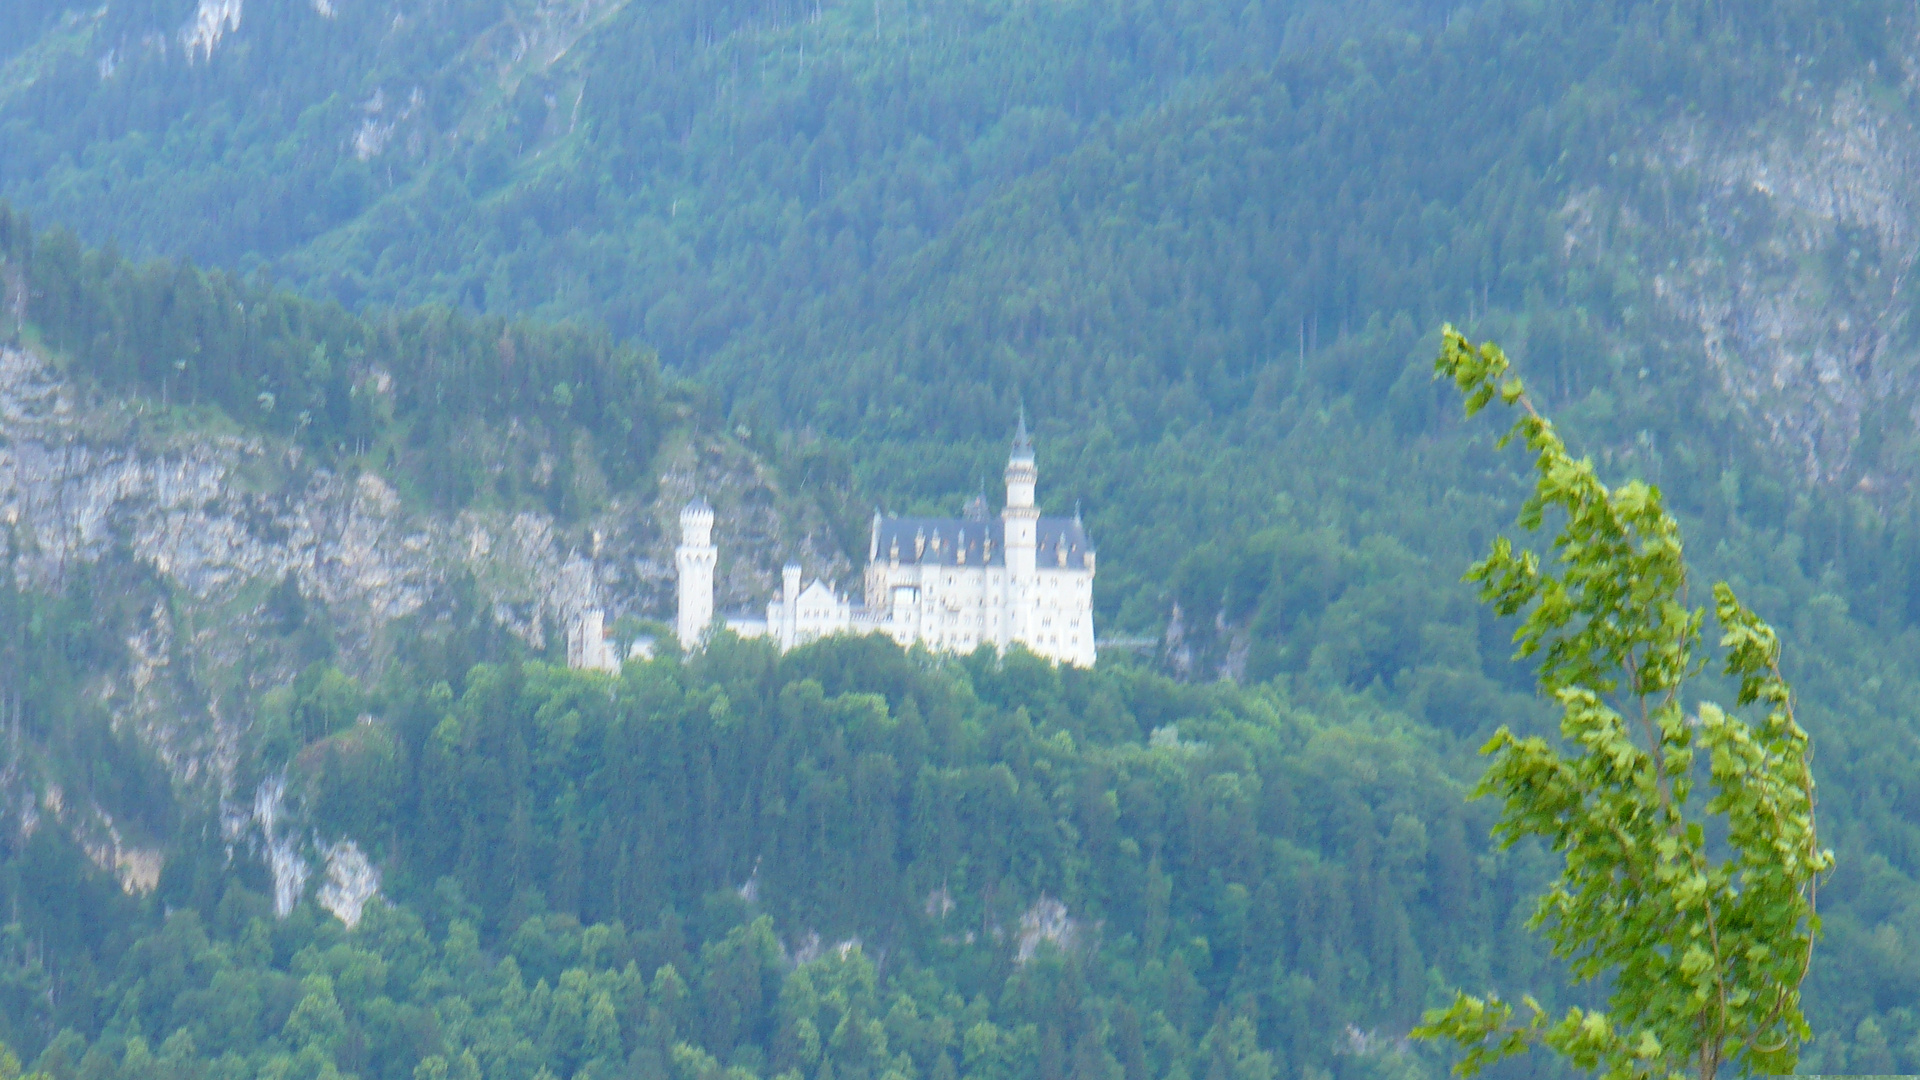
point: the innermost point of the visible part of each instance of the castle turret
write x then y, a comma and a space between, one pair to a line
696, 557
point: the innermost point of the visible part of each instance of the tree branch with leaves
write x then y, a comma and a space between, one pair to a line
1697, 904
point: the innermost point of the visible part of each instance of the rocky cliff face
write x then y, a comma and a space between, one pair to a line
1786, 247
215, 521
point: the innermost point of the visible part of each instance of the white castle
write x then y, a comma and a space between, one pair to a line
951, 584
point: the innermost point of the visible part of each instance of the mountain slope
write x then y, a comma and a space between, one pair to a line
1205, 243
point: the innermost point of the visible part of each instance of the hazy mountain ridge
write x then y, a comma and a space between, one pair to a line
523, 137
1206, 245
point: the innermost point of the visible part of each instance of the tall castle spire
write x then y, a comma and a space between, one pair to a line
1022, 473
1021, 519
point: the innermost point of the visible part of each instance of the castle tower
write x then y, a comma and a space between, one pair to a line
696, 557
788, 632
1021, 517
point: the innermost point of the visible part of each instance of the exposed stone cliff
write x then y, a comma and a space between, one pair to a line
213, 521
1787, 246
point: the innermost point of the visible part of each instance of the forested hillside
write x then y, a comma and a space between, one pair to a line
1207, 244
844, 861
424, 393
1143, 221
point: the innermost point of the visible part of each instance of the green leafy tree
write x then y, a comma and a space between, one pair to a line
1705, 942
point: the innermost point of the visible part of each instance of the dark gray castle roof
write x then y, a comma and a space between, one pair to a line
941, 540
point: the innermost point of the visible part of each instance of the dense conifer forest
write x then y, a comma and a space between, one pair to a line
846, 859
1207, 245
